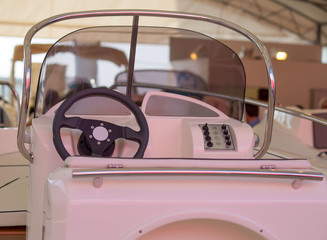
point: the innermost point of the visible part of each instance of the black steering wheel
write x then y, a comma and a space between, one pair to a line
100, 135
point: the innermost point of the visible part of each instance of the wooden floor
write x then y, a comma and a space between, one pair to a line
13, 233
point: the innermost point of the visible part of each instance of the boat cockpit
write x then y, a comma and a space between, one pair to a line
138, 133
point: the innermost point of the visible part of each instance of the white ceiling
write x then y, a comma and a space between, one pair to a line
305, 18
286, 21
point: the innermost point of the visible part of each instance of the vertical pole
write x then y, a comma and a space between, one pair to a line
318, 37
132, 56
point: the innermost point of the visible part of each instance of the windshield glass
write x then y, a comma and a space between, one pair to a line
166, 59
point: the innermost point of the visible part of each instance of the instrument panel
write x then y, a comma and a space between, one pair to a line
217, 137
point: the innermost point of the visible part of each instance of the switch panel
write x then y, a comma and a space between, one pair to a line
217, 137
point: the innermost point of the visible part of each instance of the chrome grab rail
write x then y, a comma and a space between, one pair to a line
138, 13
265, 173
289, 111
296, 176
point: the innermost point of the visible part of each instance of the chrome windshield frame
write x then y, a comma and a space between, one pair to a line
136, 14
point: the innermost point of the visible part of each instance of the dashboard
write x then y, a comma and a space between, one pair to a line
179, 127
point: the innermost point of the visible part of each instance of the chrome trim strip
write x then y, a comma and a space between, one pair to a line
264, 173
37, 27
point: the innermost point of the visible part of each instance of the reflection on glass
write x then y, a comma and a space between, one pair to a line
98, 56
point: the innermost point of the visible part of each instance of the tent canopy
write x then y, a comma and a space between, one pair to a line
272, 21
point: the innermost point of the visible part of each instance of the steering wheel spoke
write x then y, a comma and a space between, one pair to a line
72, 122
132, 135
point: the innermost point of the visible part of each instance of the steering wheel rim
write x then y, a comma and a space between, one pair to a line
88, 125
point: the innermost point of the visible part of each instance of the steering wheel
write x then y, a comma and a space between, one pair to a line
100, 135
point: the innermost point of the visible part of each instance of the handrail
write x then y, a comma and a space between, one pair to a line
296, 175
137, 13
289, 111
266, 173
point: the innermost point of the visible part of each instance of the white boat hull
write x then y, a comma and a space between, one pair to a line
182, 207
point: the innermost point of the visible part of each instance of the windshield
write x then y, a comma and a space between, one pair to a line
166, 59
